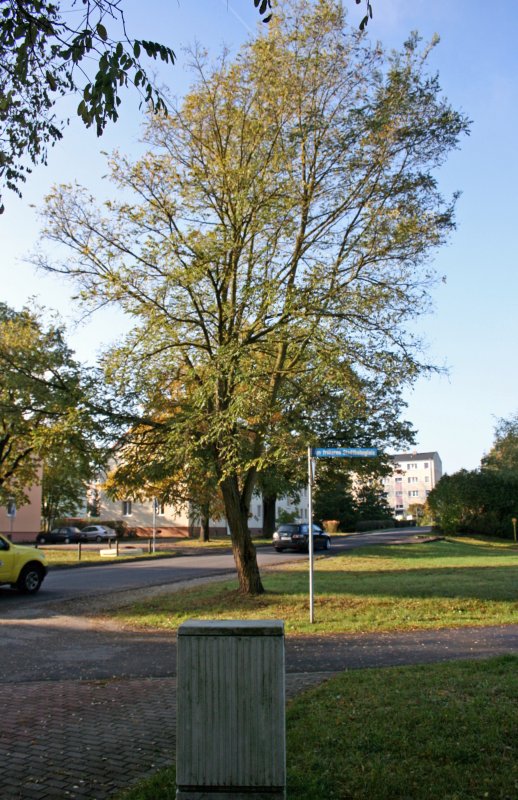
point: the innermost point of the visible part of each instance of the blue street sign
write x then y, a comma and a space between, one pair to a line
344, 452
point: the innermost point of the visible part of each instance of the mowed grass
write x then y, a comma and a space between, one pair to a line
69, 557
441, 732
384, 588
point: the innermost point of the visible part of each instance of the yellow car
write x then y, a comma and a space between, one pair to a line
22, 567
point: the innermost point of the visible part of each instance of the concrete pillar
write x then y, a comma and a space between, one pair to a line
230, 740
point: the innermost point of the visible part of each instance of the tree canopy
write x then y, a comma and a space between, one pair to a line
503, 455
45, 52
43, 407
46, 49
483, 500
277, 238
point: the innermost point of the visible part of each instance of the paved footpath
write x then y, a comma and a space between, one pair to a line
105, 714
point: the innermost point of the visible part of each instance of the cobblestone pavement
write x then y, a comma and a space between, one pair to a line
84, 740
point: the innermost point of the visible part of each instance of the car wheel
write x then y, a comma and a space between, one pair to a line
30, 579
327, 544
98, 538
278, 549
41, 539
67, 539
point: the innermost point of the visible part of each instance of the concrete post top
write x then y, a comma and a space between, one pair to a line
231, 627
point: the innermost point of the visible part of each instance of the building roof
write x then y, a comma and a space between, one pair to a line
414, 456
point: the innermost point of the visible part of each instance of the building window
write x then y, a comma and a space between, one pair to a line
399, 494
426, 479
399, 480
126, 508
414, 493
413, 480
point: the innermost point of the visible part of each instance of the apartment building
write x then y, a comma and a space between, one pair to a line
413, 477
178, 520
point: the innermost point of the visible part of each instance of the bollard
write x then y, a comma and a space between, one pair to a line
230, 739
79, 551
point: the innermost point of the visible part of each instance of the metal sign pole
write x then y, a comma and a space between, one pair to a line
313, 454
154, 523
311, 468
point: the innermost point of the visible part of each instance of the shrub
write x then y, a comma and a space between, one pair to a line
331, 525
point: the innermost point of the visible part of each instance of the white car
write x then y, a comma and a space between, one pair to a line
97, 533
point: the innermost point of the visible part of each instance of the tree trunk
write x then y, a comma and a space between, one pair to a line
269, 507
245, 556
205, 525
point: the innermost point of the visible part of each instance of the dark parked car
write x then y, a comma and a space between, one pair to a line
293, 536
62, 535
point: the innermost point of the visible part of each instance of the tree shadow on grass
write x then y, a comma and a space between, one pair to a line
495, 583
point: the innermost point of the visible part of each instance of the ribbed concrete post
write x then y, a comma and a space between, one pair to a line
230, 739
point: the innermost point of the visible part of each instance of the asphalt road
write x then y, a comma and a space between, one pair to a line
63, 585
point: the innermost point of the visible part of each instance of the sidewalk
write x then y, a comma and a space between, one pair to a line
72, 739
86, 740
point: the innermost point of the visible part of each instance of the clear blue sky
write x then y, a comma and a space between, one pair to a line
474, 330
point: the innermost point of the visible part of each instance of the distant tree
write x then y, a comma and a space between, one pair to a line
281, 227
419, 512
334, 498
370, 502
503, 455
66, 474
476, 501
43, 404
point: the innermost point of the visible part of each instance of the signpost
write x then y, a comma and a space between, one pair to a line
11, 513
155, 512
313, 454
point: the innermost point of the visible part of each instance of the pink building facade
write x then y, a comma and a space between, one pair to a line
25, 524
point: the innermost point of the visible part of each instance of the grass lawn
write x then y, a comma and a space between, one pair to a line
442, 732
57, 557
381, 588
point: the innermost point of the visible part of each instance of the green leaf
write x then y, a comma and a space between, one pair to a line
102, 32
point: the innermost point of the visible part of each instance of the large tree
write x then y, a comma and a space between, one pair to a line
280, 227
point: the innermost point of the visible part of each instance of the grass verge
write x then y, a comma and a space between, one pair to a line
69, 557
403, 587
447, 731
